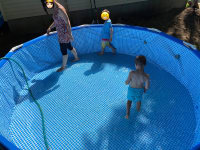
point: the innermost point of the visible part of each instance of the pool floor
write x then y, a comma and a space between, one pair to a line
84, 108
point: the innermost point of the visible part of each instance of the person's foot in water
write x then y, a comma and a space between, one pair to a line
76, 59
126, 117
61, 69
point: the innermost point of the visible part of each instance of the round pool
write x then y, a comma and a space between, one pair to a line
84, 106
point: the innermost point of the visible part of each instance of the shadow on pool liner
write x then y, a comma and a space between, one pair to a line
39, 88
45, 86
143, 131
161, 124
100, 61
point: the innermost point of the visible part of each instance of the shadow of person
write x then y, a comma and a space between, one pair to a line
46, 85
16, 96
97, 66
39, 88
119, 60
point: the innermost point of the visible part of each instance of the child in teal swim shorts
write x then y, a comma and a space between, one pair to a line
138, 82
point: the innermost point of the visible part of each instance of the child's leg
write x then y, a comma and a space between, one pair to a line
102, 51
128, 107
138, 105
73, 50
63, 48
64, 62
75, 55
112, 47
103, 46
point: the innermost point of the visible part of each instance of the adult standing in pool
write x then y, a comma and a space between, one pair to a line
63, 27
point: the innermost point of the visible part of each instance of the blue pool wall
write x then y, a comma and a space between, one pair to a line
40, 53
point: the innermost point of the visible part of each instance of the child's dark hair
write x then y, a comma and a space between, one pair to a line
140, 60
44, 6
106, 10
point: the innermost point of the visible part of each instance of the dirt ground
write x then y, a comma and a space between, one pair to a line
183, 24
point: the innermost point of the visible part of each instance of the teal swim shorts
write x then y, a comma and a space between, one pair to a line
135, 94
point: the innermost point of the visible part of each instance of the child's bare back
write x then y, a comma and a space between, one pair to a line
138, 79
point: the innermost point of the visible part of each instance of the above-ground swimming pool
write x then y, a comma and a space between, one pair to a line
84, 106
